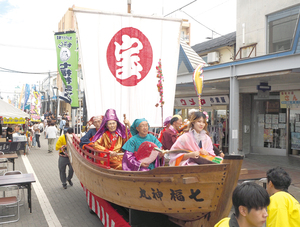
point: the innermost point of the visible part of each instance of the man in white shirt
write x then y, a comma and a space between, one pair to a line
51, 133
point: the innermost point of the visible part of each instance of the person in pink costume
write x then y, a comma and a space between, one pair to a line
195, 140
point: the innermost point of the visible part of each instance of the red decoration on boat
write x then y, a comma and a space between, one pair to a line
146, 152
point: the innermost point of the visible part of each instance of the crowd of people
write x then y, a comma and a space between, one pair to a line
253, 205
122, 141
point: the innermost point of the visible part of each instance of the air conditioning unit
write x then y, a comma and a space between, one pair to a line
213, 57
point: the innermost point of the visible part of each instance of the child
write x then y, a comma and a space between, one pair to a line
250, 203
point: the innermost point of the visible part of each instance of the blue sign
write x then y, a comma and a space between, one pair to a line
264, 87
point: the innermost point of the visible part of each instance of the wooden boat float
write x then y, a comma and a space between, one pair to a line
189, 195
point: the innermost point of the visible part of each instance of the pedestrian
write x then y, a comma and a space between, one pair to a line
67, 126
9, 132
45, 122
46, 115
53, 119
250, 202
37, 134
63, 160
51, 133
62, 125
32, 134
284, 209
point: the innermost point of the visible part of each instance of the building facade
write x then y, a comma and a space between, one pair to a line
262, 81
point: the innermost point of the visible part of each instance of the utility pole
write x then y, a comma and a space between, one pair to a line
128, 6
49, 108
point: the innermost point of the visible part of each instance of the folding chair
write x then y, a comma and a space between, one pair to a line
3, 163
20, 187
8, 202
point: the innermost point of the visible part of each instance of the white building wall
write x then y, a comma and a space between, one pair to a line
226, 54
252, 13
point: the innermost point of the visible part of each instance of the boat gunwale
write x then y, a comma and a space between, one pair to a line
157, 171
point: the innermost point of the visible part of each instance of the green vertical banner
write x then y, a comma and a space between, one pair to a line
67, 64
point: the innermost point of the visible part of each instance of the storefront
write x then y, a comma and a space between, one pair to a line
275, 128
217, 109
290, 100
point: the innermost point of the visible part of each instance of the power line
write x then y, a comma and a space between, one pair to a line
15, 71
212, 8
179, 8
27, 47
205, 25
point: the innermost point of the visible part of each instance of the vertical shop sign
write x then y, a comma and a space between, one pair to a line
67, 63
21, 96
27, 93
35, 106
289, 98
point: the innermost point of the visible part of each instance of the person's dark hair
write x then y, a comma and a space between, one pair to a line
174, 119
196, 115
67, 124
70, 130
280, 178
250, 195
52, 124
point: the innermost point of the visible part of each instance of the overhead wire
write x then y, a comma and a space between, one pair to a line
180, 9
205, 25
27, 47
15, 71
203, 12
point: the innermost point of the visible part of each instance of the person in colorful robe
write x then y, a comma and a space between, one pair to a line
88, 137
195, 140
170, 136
139, 131
166, 126
111, 136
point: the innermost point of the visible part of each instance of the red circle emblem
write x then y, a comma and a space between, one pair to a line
129, 56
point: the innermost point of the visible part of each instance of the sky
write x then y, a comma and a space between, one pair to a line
27, 30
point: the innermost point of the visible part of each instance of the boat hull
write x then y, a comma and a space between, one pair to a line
188, 194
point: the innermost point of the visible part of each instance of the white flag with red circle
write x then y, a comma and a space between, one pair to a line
119, 54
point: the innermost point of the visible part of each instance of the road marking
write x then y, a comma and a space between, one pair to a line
47, 209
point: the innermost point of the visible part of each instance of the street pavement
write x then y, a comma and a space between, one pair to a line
291, 164
54, 206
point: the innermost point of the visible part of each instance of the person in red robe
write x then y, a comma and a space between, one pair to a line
170, 135
166, 126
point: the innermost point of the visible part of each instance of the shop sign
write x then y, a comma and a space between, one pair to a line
289, 98
205, 101
15, 120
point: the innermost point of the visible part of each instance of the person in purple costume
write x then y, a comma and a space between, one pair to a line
139, 131
110, 137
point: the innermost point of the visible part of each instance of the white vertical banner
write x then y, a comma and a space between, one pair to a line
119, 55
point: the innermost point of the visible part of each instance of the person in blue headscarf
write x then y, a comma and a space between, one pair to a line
139, 131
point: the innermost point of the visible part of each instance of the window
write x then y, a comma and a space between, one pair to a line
204, 58
182, 35
281, 28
